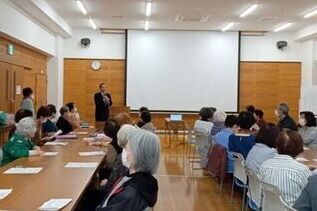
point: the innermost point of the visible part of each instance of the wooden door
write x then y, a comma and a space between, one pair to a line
5, 81
17, 84
40, 90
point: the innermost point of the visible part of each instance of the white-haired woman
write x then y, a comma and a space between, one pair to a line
20, 144
219, 122
139, 190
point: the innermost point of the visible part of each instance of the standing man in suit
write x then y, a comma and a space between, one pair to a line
102, 102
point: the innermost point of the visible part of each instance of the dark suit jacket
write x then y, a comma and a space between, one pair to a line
102, 108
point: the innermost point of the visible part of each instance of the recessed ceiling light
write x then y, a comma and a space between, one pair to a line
148, 9
311, 14
228, 26
147, 25
92, 23
81, 7
249, 10
282, 27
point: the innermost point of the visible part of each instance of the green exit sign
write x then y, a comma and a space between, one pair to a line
10, 49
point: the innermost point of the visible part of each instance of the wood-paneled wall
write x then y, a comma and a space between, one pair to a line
81, 82
30, 69
266, 84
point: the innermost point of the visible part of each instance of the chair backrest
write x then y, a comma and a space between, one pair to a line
239, 168
271, 198
200, 138
217, 161
1, 156
255, 187
286, 206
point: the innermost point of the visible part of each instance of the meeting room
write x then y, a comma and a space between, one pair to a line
151, 105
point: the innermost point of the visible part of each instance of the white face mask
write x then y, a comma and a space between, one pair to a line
32, 96
276, 113
124, 157
75, 109
302, 122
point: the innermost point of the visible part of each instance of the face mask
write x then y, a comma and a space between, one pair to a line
32, 96
302, 122
124, 157
75, 110
276, 113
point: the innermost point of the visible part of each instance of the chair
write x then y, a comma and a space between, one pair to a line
217, 163
1, 156
254, 188
286, 206
194, 138
271, 198
240, 174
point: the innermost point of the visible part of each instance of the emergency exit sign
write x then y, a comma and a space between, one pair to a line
10, 49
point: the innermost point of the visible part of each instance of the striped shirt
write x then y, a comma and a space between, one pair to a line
287, 174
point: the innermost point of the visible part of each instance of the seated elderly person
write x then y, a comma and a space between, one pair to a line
145, 122
66, 121
6, 118
308, 129
20, 144
219, 123
307, 201
50, 125
284, 171
285, 121
139, 190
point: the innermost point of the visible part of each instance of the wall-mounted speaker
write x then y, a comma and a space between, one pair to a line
85, 42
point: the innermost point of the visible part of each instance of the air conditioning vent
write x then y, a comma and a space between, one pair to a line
117, 16
197, 18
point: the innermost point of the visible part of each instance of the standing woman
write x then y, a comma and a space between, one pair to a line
102, 103
27, 102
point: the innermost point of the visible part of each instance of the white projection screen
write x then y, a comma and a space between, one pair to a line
182, 70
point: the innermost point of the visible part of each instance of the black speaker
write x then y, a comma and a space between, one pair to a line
85, 42
281, 45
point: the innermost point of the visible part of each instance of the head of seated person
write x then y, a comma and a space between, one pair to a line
206, 114
231, 122
307, 119
258, 114
250, 108
289, 143
52, 111
64, 121
111, 130
245, 121
268, 135
20, 114
73, 110
42, 114
26, 127
142, 109
123, 118
219, 117
124, 133
146, 117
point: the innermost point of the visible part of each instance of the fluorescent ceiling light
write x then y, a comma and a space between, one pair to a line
148, 9
228, 26
284, 26
147, 25
92, 23
310, 14
249, 10
81, 7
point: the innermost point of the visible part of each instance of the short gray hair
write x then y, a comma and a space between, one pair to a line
146, 149
220, 116
26, 126
123, 134
283, 107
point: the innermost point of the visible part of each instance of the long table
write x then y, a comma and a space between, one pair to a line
54, 181
310, 155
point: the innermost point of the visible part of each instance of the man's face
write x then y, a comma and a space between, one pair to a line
103, 88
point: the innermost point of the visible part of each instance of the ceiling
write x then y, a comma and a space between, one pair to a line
129, 14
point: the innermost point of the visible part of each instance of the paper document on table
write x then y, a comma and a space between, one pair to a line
56, 143
82, 133
22, 170
4, 193
50, 153
306, 148
301, 159
56, 134
89, 139
315, 160
55, 204
81, 165
92, 153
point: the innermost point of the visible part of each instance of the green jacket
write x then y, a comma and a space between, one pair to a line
17, 146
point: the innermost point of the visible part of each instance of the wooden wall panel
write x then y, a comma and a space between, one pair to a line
81, 82
266, 84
